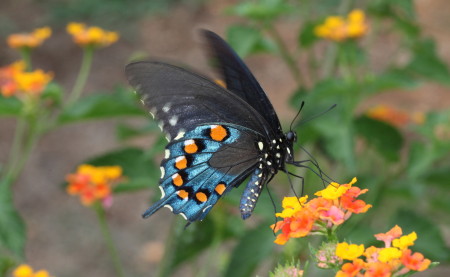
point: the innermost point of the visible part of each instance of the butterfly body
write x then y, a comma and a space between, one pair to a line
217, 137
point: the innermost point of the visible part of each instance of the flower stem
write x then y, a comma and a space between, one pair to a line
16, 145
82, 75
165, 266
108, 238
285, 55
25, 52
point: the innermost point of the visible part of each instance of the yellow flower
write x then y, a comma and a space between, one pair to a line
91, 36
14, 79
41, 273
291, 205
338, 28
349, 251
24, 270
334, 190
29, 40
389, 254
33, 82
404, 241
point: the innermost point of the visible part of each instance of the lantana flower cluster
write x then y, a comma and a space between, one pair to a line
24, 270
15, 80
91, 36
394, 259
338, 28
29, 40
334, 204
94, 183
394, 116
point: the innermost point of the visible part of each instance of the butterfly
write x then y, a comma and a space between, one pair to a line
218, 136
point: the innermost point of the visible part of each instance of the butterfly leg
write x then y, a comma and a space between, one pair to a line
251, 192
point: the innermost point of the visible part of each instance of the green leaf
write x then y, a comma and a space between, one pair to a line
255, 246
247, 40
122, 102
307, 36
126, 131
439, 176
138, 168
430, 241
427, 63
384, 137
10, 106
53, 92
421, 156
262, 10
12, 231
393, 78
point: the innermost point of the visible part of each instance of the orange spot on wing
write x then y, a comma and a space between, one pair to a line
183, 194
220, 188
218, 132
181, 162
190, 147
220, 83
201, 196
177, 180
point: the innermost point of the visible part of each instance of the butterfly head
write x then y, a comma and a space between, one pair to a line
291, 138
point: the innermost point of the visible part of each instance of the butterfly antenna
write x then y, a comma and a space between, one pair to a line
316, 116
298, 113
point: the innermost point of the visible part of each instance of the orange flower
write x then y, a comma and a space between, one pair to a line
320, 214
14, 79
394, 116
299, 225
378, 270
91, 36
392, 234
349, 202
415, 262
351, 269
29, 40
93, 183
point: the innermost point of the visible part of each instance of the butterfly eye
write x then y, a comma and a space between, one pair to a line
291, 136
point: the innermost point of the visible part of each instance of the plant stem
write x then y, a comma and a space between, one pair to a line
285, 55
26, 57
165, 267
108, 238
17, 142
82, 75
332, 51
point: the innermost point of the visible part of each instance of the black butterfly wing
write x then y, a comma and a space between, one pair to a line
239, 79
180, 99
213, 136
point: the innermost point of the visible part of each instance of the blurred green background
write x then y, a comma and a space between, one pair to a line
402, 63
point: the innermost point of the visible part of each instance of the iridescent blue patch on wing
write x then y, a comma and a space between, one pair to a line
189, 184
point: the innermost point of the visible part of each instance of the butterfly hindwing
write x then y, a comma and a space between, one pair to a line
195, 173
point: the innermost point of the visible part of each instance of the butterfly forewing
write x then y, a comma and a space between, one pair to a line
181, 100
239, 79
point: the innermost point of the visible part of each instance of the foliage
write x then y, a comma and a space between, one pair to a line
402, 157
